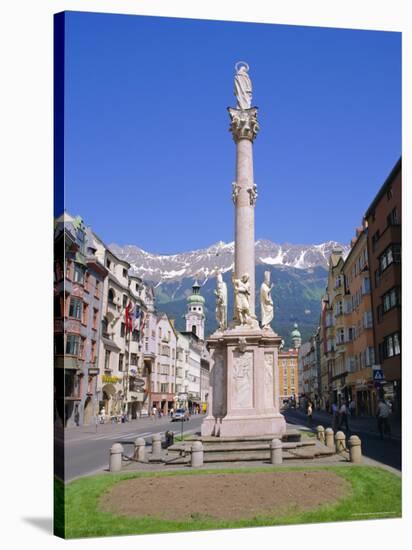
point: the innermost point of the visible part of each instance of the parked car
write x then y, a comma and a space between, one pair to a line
181, 414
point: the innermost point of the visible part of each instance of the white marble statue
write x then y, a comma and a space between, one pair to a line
243, 86
266, 302
221, 301
253, 194
242, 293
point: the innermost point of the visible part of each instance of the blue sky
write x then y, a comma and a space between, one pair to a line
149, 159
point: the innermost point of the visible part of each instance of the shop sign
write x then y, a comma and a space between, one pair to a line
110, 379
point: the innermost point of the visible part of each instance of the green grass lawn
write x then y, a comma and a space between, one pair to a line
376, 493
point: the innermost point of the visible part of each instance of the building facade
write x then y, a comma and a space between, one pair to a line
384, 217
163, 379
334, 350
359, 337
114, 354
288, 375
78, 287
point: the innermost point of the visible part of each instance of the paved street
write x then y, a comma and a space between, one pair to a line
386, 451
87, 450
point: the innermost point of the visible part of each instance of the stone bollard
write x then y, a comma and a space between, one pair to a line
329, 438
156, 446
340, 442
276, 451
197, 454
140, 449
320, 434
115, 463
355, 449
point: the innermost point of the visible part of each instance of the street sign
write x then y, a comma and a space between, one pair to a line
378, 375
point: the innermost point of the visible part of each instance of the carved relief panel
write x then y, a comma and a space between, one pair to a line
242, 383
269, 391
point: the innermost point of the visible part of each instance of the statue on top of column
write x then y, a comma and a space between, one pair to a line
243, 86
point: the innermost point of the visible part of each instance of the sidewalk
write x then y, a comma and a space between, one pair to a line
359, 424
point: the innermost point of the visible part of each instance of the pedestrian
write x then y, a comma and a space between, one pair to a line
335, 416
382, 414
171, 412
154, 413
77, 416
343, 416
352, 408
309, 412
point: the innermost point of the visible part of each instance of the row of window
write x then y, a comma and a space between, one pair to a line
74, 345
391, 299
392, 254
391, 346
391, 219
77, 273
359, 265
80, 310
288, 362
163, 387
348, 334
365, 358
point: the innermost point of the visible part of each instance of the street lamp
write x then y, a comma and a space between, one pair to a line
186, 386
97, 392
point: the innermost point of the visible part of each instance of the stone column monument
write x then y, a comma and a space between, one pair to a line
244, 384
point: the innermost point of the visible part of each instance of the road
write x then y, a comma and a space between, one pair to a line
86, 450
387, 451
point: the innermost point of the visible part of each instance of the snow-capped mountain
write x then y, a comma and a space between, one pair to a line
202, 263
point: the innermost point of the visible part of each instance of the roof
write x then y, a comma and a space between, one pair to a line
394, 172
195, 299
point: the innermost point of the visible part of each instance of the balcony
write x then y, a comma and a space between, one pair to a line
112, 305
392, 234
77, 290
73, 326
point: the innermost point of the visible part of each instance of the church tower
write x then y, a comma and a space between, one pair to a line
296, 337
195, 316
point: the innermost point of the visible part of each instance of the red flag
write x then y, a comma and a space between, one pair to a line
128, 317
143, 320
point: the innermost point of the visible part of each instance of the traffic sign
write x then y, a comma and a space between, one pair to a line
378, 375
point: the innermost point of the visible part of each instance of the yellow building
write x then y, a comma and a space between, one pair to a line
288, 374
333, 331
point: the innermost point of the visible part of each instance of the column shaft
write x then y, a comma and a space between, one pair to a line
245, 217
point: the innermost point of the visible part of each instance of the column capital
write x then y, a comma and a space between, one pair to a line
243, 123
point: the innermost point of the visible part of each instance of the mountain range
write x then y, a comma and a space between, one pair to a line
299, 274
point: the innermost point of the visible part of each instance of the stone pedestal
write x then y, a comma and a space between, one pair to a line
244, 384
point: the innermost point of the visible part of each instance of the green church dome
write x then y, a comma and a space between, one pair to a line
195, 299
295, 333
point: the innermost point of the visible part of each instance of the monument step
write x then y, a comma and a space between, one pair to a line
237, 456
290, 436
238, 445
306, 452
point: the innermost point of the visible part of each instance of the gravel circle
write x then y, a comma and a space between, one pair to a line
224, 496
